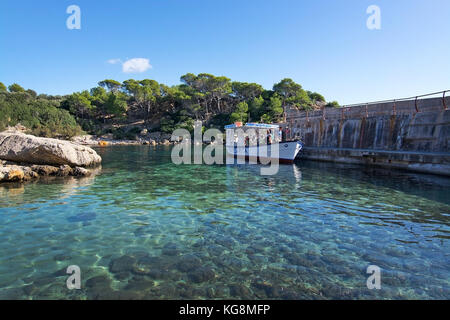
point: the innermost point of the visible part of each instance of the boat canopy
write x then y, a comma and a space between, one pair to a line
253, 125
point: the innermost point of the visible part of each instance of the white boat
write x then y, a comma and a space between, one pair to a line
244, 141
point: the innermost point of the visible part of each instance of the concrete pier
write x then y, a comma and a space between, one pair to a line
412, 134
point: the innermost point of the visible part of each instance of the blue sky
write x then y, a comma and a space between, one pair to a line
323, 45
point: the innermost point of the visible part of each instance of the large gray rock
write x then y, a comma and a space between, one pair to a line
19, 147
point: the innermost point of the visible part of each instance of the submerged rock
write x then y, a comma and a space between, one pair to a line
62, 257
171, 249
153, 267
82, 217
20, 147
202, 275
189, 263
140, 285
239, 291
143, 266
98, 282
122, 264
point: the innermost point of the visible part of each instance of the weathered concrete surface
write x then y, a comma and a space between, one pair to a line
401, 135
436, 163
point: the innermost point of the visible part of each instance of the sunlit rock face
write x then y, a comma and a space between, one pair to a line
19, 147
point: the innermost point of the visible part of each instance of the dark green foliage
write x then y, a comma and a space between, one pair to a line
215, 100
111, 85
16, 88
333, 104
123, 134
178, 120
256, 108
241, 113
314, 96
219, 121
41, 116
115, 104
79, 104
292, 94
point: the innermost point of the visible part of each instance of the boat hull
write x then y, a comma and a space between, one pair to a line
286, 153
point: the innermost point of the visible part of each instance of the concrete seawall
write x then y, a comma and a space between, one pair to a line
413, 135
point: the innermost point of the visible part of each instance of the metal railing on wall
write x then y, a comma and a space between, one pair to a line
365, 106
415, 98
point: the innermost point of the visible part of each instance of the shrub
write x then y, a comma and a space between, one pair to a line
122, 134
333, 104
39, 115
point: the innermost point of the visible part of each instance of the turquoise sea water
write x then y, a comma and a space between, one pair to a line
145, 228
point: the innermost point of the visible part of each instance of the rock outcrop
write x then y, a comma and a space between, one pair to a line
19, 173
19, 147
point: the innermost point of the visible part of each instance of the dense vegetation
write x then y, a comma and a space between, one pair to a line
112, 105
42, 114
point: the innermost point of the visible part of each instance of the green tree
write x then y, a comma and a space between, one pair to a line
333, 104
110, 85
287, 88
201, 85
274, 108
171, 96
150, 91
133, 88
16, 88
246, 91
32, 93
2, 87
98, 96
145, 93
79, 103
42, 116
116, 104
255, 108
292, 94
316, 97
220, 87
241, 113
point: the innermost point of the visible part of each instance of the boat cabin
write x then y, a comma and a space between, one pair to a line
252, 133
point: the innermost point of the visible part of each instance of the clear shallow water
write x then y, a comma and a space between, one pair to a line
147, 229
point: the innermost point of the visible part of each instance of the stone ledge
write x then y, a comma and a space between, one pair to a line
434, 163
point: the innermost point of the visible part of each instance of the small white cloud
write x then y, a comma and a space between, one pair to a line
114, 61
136, 65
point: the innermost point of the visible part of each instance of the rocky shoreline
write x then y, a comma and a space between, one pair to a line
25, 157
13, 172
143, 138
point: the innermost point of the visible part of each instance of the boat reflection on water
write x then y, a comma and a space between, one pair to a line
286, 173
